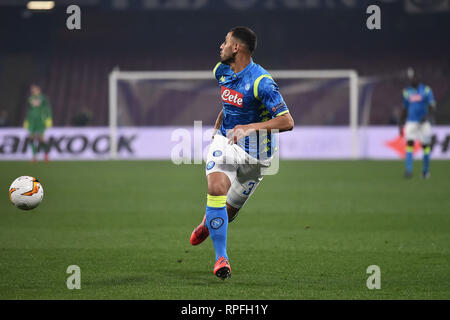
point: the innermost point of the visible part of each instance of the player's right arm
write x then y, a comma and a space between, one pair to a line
26, 123
266, 91
217, 72
218, 123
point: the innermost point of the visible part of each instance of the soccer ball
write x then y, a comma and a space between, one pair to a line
26, 192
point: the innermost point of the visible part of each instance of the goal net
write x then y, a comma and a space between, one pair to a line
175, 99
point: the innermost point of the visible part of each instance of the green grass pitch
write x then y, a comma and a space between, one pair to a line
309, 232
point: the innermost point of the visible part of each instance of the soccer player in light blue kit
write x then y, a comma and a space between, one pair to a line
419, 105
243, 143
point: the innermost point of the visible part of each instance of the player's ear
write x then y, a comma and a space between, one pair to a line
236, 47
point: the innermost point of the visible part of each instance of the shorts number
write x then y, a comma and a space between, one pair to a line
250, 185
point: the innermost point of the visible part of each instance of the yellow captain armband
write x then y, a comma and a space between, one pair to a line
48, 123
26, 124
256, 84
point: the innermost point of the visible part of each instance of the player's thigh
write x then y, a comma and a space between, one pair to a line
247, 180
36, 134
220, 159
425, 133
41, 136
412, 131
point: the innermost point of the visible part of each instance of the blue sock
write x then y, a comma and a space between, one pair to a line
217, 223
426, 159
409, 159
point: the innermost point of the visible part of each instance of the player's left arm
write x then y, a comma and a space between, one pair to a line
266, 90
48, 113
280, 123
404, 113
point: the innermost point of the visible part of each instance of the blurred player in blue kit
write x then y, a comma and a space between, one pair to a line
419, 106
243, 143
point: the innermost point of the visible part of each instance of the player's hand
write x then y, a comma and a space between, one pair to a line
48, 123
214, 133
239, 132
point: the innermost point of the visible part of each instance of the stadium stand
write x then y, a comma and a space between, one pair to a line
74, 67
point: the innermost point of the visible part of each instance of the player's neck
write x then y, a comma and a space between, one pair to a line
240, 63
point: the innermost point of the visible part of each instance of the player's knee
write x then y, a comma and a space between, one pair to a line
218, 184
218, 189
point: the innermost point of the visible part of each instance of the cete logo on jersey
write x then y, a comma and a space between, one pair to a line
232, 97
415, 97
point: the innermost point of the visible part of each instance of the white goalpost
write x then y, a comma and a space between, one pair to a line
117, 75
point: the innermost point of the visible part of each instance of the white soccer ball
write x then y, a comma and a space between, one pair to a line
26, 192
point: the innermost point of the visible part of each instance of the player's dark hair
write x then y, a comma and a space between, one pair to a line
246, 36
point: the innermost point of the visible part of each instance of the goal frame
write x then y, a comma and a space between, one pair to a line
117, 75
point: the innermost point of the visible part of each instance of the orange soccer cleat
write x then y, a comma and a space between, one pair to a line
200, 233
222, 268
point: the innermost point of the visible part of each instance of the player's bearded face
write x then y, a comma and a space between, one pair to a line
228, 50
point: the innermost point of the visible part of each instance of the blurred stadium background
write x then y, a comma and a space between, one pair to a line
341, 215
73, 66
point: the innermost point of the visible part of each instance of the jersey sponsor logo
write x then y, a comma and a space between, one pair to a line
217, 153
216, 223
415, 97
210, 165
232, 97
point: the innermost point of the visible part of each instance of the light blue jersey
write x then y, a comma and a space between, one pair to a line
416, 102
249, 96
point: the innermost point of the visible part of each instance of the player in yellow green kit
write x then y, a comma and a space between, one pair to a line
38, 118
